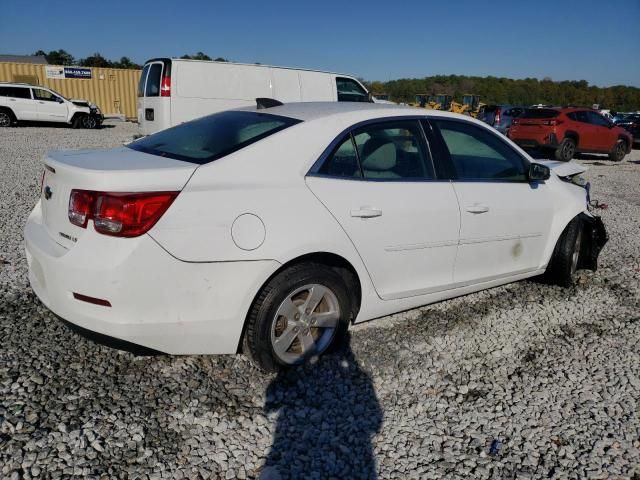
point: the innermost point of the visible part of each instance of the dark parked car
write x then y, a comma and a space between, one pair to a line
500, 117
631, 123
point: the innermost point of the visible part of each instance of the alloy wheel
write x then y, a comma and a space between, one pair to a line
576, 253
89, 122
305, 323
5, 119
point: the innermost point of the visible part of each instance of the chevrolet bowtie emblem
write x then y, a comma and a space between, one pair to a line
47, 192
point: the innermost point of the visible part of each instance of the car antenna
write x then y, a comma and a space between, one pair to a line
264, 102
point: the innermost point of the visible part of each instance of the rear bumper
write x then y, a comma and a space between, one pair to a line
157, 302
547, 140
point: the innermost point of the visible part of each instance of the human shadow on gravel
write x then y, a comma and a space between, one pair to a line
328, 413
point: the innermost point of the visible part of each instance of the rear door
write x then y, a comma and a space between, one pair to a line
50, 107
154, 96
505, 219
587, 132
22, 103
378, 182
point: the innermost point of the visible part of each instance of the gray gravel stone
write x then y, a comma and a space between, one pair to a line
552, 374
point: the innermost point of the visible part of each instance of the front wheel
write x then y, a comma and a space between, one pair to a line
301, 313
566, 150
619, 151
89, 122
564, 262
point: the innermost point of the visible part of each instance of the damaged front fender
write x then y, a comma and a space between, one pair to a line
594, 239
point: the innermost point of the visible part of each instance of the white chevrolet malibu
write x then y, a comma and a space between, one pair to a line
269, 230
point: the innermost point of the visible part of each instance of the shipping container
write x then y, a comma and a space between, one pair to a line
112, 89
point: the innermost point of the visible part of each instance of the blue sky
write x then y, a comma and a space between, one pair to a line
594, 40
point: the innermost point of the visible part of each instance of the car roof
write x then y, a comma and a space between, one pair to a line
308, 111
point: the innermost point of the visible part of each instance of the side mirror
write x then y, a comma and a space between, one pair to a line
539, 172
59, 100
370, 97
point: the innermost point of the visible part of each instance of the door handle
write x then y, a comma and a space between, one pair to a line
477, 208
41, 103
12, 99
366, 212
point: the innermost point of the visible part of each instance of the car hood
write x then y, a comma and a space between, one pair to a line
564, 169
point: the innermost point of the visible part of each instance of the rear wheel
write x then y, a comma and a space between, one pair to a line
6, 118
301, 313
566, 150
619, 151
564, 262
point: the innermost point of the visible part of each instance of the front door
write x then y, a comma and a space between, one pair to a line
379, 184
505, 219
604, 136
51, 108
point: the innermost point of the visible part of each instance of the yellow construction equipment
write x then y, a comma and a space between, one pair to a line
434, 102
473, 104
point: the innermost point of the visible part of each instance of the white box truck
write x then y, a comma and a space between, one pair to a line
175, 90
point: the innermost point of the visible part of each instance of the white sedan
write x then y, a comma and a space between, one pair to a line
269, 230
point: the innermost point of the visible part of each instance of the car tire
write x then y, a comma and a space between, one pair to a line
77, 122
281, 333
7, 118
89, 122
566, 150
566, 256
619, 151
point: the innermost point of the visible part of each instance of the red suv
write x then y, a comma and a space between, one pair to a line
570, 130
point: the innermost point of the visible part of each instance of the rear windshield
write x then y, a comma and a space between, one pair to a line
209, 138
540, 113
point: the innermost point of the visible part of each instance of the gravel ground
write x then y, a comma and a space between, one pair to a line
521, 381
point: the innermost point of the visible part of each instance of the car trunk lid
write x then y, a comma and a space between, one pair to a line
116, 170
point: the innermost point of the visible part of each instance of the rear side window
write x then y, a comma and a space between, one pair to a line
209, 138
540, 113
143, 79
15, 92
343, 162
480, 155
350, 91
153, 80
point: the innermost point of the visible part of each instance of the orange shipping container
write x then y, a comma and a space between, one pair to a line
114, 90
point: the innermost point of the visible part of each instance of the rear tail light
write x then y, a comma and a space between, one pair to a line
119, 214
165, 87
497, 117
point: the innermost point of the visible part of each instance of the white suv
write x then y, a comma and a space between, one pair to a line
20, 101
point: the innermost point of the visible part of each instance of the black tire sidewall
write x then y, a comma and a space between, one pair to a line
559, 269
614, 153
560, 151
262, 313
11, 118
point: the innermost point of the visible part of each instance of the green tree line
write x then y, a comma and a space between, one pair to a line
62, 57
527, 91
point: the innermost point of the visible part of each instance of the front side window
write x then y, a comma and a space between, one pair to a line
47, 96
153, 80
215, 136
596, 119
478, 154
350, 91
392, 151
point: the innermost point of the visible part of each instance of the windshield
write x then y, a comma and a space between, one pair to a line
209, 138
